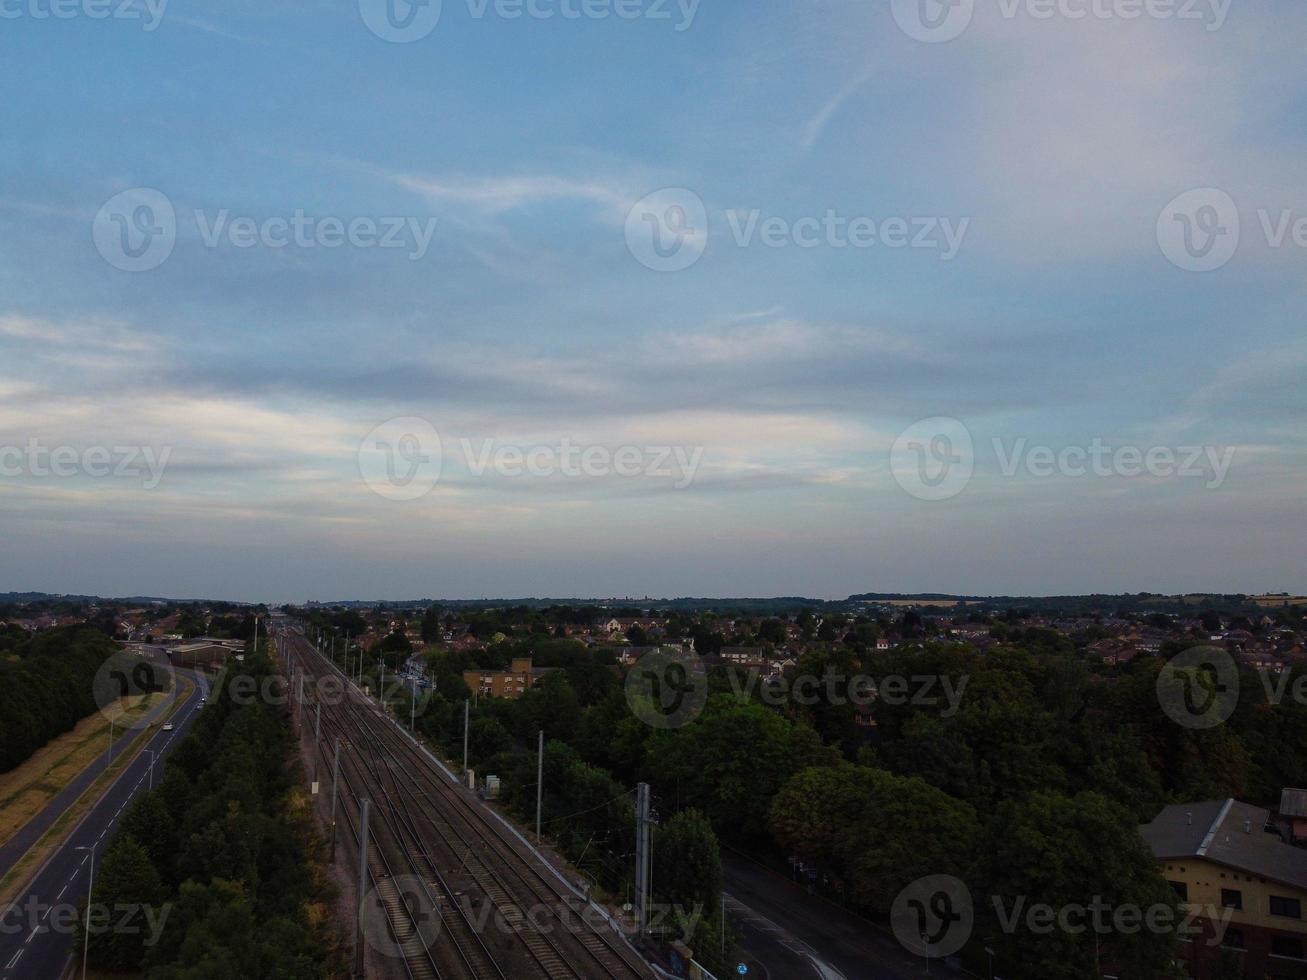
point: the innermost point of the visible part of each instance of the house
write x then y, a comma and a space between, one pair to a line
1293, 811
511, 684
1227, 855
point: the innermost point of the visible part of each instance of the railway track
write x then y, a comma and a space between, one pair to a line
440, 835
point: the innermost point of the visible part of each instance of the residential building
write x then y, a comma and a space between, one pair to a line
512, 683
1224, 857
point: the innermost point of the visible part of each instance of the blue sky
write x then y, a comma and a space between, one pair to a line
515, 159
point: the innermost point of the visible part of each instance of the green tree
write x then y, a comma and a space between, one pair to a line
125, 880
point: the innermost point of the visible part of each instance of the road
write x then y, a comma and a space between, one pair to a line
36, 931
789, 933
32, 831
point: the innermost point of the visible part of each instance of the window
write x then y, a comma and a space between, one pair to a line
1232, 898
1181, 889
1233, 939
1290, 946
1289, 908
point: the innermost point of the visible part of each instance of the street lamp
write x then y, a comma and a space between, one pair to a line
90, 892
151, 751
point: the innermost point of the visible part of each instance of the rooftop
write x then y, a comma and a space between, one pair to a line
1229, 833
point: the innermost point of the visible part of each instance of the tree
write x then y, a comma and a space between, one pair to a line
1067, 853
864, 826
125, 879
687, 863
432, 630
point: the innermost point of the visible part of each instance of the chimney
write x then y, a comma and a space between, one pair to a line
1189, 817
1247, 826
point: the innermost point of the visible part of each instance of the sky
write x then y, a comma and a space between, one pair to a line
307, 300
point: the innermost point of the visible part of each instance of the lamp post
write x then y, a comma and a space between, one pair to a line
151, 751
90, 892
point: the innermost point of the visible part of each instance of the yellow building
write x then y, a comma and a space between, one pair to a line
511, 683
1224, 858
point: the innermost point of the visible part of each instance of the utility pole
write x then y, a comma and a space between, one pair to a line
317, 723
642, 855
335, 772
413, 712
540, 781
465, 716
363, 890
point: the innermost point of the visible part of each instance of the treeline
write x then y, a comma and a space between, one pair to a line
225, 857
46, 687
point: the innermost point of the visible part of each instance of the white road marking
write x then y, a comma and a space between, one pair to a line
10, 964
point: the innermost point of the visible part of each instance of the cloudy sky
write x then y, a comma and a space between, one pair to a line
328, 300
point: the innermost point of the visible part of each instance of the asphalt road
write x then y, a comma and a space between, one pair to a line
36, 931
789, 933
35, 828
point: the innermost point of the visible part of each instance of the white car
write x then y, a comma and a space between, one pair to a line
168, 727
